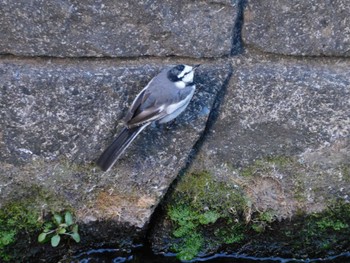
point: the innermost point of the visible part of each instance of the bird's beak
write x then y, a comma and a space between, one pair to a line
196, 66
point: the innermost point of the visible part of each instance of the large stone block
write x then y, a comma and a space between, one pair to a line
283, 134
117, 28
276, 161
56, 118
308, 28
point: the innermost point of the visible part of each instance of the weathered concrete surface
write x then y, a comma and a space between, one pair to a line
311, 28
278, 153
283, 134
56, 118
117, 28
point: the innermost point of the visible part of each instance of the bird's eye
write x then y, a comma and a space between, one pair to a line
180, 67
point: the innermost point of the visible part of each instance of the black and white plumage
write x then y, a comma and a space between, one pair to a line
163, 99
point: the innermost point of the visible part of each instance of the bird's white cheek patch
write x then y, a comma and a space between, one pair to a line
184, 71
180, 84
189, 77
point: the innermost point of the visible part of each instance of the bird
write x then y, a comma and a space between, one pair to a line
164, 98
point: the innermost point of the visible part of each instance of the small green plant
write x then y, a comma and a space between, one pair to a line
59, 226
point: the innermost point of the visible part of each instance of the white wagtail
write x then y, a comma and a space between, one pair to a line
162, 100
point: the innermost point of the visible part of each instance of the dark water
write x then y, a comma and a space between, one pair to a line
140, 255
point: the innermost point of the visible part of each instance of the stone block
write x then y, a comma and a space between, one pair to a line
283, 134
57, 116
117, 28
307, 28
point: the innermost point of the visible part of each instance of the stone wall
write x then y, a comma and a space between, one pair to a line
274, 82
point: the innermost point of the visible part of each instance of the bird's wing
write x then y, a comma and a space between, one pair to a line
149, 114
141, 97
145, 108
152, 105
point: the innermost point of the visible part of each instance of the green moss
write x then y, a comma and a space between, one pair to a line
208, 217
266, 166
203, 193
281, 161
200, 207
186, 220
206, 214
330, 223
345, 172
66, 167
272, 166
262, 220
16, 218
335, 218
21, 220
231, 233
190, 247
321, 231
257, 166
186, 223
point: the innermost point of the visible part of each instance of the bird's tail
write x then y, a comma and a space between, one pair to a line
118, 146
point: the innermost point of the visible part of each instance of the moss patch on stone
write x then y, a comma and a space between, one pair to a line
22, 219
345, 172
266, 166
205, 213
317, 232
16, 219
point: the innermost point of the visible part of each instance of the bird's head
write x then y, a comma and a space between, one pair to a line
182, 75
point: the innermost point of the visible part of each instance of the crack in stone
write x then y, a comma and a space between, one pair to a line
212, 118
237, 43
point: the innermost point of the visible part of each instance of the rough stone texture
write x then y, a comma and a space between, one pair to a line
282, 140
311, 28
117, 28
56, 118
283, 134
